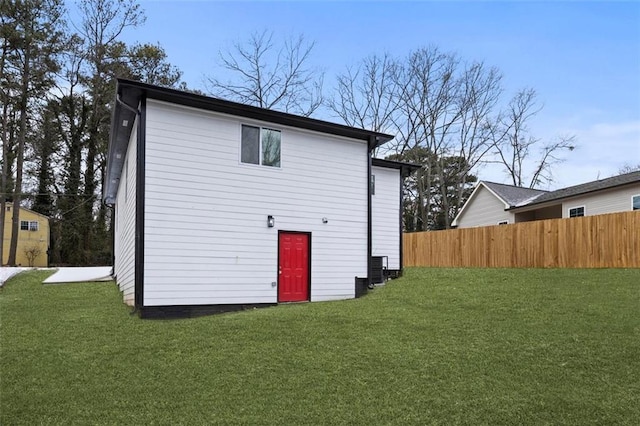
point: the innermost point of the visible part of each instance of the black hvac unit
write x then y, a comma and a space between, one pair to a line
378, 273
361, 286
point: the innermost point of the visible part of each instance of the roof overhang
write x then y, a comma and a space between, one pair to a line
405, 168
129, 93
535, 206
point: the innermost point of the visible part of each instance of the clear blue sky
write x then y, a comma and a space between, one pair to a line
583, 58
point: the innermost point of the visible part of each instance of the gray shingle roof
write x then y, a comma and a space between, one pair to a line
513, 195
585, 188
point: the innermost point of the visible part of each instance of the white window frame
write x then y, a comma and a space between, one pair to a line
31, 225
584, 211
503, 222
632, 197
260, 128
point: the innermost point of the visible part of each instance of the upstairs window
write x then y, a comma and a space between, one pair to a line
260, 146
25, 225
576, 211
635, 202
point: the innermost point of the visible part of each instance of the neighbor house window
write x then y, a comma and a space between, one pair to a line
25, 225
635, 202
576, 211
373, 184
503, 222
260, 146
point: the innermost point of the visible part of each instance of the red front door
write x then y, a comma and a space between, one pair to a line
293, 267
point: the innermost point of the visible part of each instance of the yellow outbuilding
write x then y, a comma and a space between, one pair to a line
33, 238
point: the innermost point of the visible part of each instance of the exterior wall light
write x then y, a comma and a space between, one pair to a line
271, 221
325, 220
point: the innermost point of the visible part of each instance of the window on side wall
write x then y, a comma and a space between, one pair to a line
373, 184
576, 211
25, 225
503, 222
260, 145
635, 202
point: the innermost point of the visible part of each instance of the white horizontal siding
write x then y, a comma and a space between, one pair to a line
124, 244
602, 202
484, 209
206, 234
385, 215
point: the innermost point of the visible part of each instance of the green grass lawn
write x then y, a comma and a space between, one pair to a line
440, 346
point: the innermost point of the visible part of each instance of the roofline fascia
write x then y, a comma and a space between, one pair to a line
554, 201
250, 111
405, 168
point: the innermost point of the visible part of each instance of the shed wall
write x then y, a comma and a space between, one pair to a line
27, 239
206, 235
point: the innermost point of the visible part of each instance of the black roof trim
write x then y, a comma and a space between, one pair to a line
249, 111
405, 168
130, 92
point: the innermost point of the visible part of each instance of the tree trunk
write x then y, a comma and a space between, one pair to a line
17, 192
3, 188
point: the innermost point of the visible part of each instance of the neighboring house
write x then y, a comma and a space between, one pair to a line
489, 204
33, 238
496, 204
220, 205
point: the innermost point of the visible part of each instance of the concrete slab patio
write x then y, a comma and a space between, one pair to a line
80, 274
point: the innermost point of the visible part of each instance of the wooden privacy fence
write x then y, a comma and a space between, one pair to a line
603, 241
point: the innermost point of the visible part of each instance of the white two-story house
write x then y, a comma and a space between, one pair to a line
220, 205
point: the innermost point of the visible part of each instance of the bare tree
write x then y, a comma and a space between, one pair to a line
428, 95
527, 160
440, 109
628, 168
480, 90
268, 75
31, 253
366, 95
447, 107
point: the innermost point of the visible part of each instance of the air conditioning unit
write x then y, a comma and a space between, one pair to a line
379, 266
